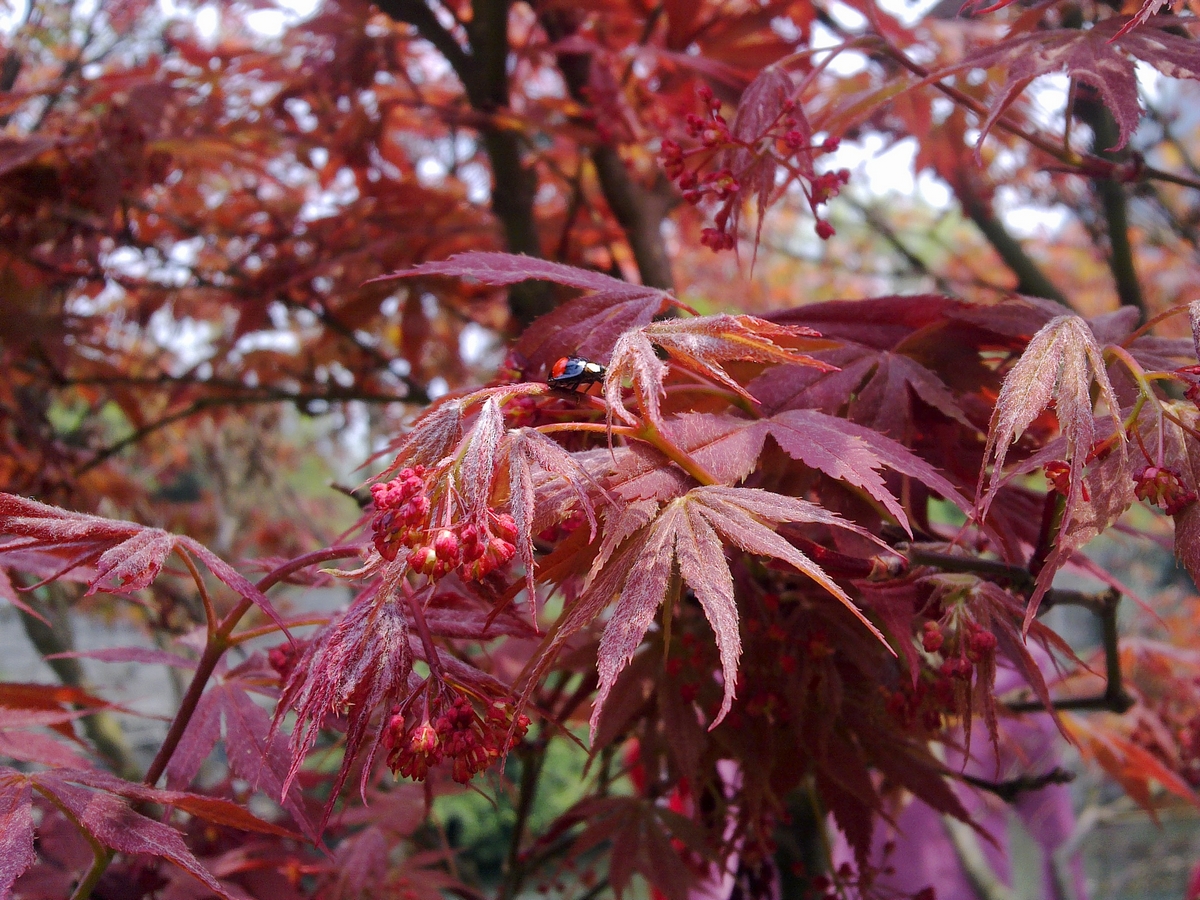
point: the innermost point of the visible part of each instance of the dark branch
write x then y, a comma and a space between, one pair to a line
483, 71
1111, 195
1011, 789
1031, 279
638, 210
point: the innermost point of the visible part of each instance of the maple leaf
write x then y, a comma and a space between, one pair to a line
853, 453
1099, 57
479, 462
688, 533
18, 742
1132, 766
437, 431
879, 322
698, 345
766, 99
16, 831
125, 556
527, 448
586, 327
1107, 491
8, 592
354, 666
98, 805
646, 838
1059, 365
254, 752
728, 447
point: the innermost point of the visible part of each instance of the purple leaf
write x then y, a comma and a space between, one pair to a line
16, 828
109, 821
146, 655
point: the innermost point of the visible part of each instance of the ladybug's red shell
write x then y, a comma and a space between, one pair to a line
567, 367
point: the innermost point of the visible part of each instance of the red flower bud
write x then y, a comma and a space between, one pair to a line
445, 545
423, 560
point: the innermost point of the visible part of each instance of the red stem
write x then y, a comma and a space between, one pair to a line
214, 649
418, 614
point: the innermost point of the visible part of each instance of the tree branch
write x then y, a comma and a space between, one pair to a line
203, 403
1030, 279
1011, 789
483, 71
638, 210
1111, 195
421, 17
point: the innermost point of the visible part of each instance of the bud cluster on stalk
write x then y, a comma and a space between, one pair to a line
475, 548
454, 731
785, 141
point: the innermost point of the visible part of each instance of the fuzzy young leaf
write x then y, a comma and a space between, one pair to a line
762, 104
700, 346
357, 665
1059, 365
479, 462
527, 448
125, 556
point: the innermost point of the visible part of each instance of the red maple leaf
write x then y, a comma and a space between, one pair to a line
1060, 365
98, 805
254, 753
700, 346
638, 556
122, 556
1099, 56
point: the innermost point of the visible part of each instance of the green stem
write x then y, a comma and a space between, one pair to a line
668, 448
84, 889
532, 761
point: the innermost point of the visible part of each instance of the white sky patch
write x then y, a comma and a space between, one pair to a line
190, 341
278, 341
474, 342
437, 387
478, 180
1027, 221
431, 171
846, 63
207, 22
287, 13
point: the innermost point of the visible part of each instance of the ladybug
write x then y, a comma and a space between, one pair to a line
572, 371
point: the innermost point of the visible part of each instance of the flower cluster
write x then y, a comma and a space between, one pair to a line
401, 512
1164, 488
745, 163
455, 732
940, 691
475, 551
402, 520
284, 657
1190, 375
1058, 477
